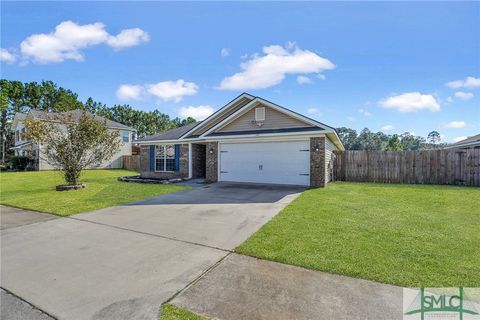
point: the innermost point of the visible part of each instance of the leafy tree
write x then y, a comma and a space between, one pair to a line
48, 96
92, 106
394, 144
434, 138
32, 95
348, 137
411, 142
11, 102
368, 140
66, 100
53, 98
73, 143
183, 122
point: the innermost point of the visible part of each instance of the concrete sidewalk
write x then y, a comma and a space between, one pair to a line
242, 287
13, 217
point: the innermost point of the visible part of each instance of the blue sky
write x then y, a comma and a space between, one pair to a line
391, 67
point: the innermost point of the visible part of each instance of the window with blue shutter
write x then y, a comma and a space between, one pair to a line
165, 158
152, 158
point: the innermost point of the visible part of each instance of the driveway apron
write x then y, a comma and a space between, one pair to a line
123, 262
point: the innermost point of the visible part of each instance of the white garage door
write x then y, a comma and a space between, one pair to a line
266, 162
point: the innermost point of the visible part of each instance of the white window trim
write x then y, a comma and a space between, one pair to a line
164, 157
125, 133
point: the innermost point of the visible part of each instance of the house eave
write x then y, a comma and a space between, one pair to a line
178, 141
267, 135
305, 134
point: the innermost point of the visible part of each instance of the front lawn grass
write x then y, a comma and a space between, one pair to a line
406, 235
171, 312
35, 190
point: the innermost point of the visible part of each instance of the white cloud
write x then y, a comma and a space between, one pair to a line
303, 80
463, 95
321, 76
449, 99
7, 56
314, 111
411, 102
128, 38
165, 90
68, 40
130, 92
198, 113
456, 124
271, 68
172, 90
387, 127
468, 82
459, 138
364, 112
225, 52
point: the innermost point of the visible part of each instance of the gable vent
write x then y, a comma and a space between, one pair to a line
260, 114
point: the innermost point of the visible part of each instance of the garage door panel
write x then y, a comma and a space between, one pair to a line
266, 162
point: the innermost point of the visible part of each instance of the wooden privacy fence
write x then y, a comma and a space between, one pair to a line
132, 162
460, 167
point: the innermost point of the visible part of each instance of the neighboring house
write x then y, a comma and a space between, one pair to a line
248, 140
22, 147
469, 143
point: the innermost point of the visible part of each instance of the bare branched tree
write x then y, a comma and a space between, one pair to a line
72, 142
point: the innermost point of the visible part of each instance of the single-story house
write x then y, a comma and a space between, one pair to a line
472, 142
249, 139
23, 147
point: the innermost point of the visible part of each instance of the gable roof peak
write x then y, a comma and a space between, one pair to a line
219, 112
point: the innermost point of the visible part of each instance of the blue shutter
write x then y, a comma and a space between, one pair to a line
177, 157
152, 157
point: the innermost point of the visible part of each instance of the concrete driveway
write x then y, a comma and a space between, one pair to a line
123, 262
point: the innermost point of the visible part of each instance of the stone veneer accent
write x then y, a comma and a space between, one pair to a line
198, 160
212, 162
145, 164
317, 162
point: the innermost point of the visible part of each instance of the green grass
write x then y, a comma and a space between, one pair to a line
406, 235
35, 190
171, 312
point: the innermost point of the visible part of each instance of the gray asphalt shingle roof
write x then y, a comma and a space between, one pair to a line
76, 114
475, 138
172, 134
